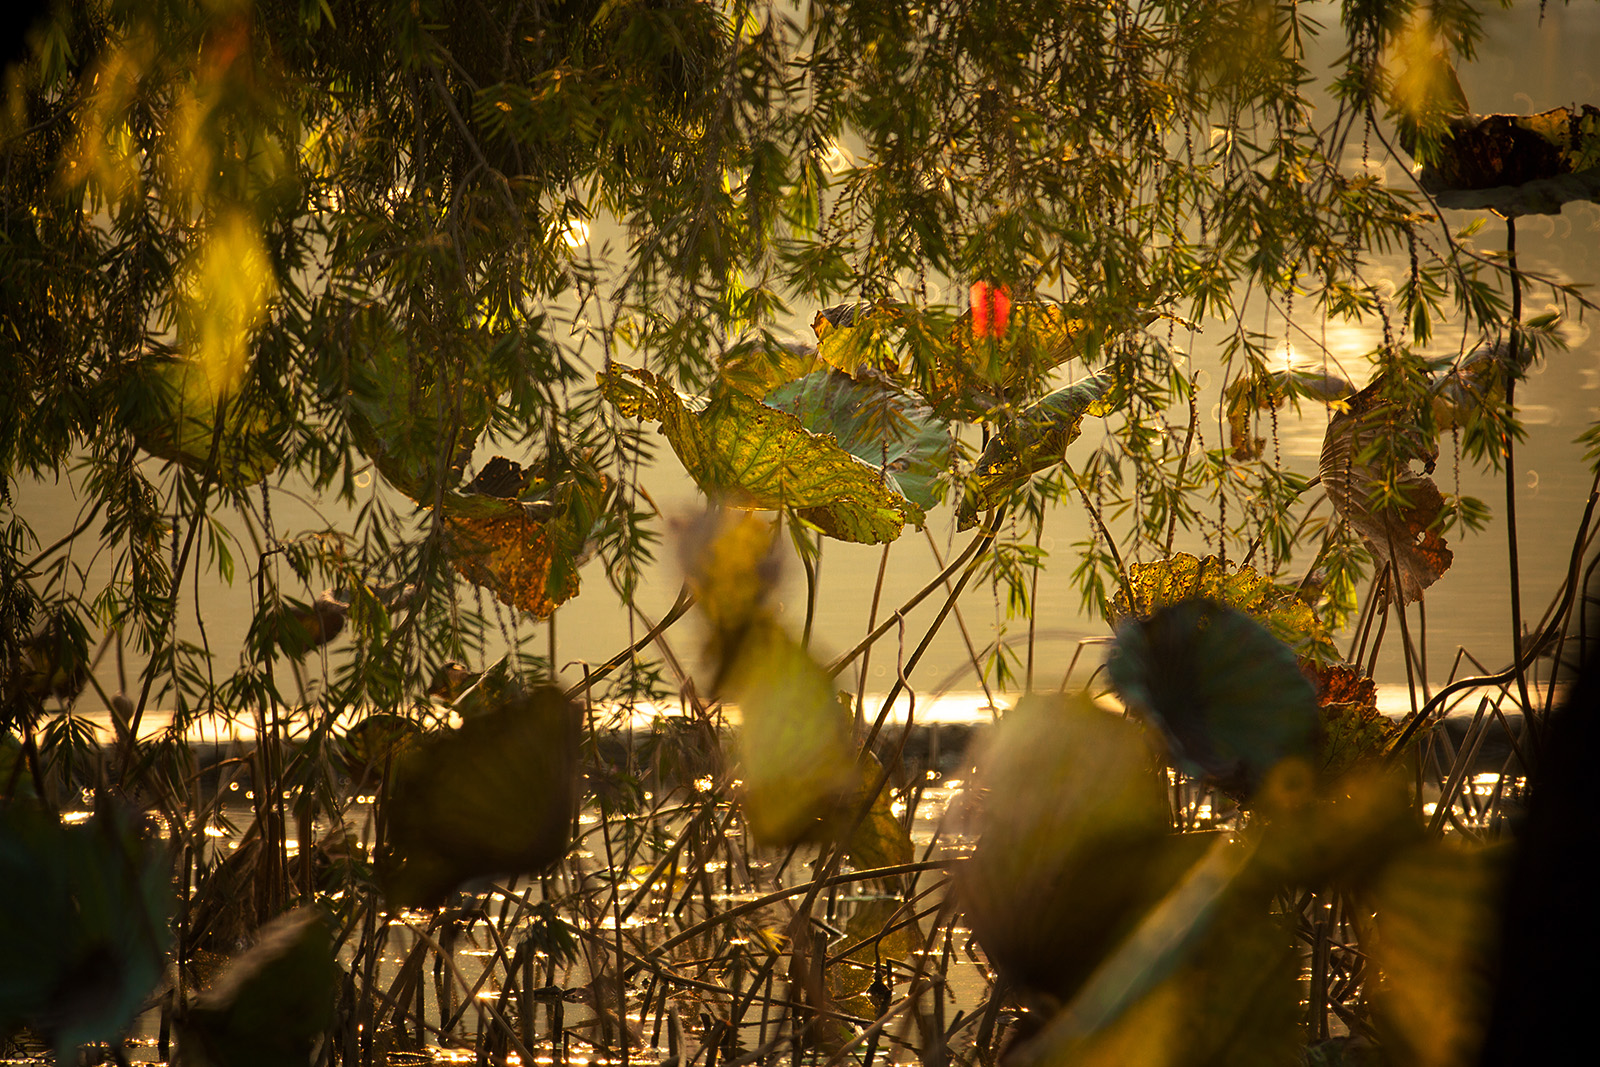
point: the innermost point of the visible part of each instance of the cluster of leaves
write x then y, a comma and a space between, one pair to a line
248, 247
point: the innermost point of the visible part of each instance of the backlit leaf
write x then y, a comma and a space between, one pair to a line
1075, 841
1227, 695
1401, 526
1183, 576
876, 423
527, 552
745, 454
495, 796
1035, 440
796, 753
1353, 729
759, 365
1435, 926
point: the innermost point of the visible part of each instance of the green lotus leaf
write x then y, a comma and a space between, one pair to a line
748, 455
1182, 576
1226, 693
495, 796
182, 424
875, 422
1035, 440
756, 366
417, 416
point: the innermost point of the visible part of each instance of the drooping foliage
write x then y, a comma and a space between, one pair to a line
450, 267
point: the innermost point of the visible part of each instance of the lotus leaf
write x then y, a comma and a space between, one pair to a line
1227, 695
183, 424
1182, 577
497, 795
876, 423
1035, 440
272, 1003
748, 455
1400, 527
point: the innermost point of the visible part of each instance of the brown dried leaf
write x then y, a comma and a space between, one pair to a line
1395, 514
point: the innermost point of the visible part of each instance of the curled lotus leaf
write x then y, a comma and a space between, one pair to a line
1227, 694
748, 455
1517, 164
1183, 577
526, 552
1267, 390
1035, 440
1396, 513
1353, 729
875, 422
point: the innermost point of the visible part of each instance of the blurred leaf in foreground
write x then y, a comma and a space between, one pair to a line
744, 454
797, 758
1208, 979
272, 1002
495, 796
1182, 576
83, 926
1035, 440
1075, 841
1227, 695
1432, 940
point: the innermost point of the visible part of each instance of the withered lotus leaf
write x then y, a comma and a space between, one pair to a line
1182, 576
1395, 511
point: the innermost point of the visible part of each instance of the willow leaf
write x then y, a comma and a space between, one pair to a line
748, 455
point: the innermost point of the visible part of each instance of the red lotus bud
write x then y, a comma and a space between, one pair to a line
991, 309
